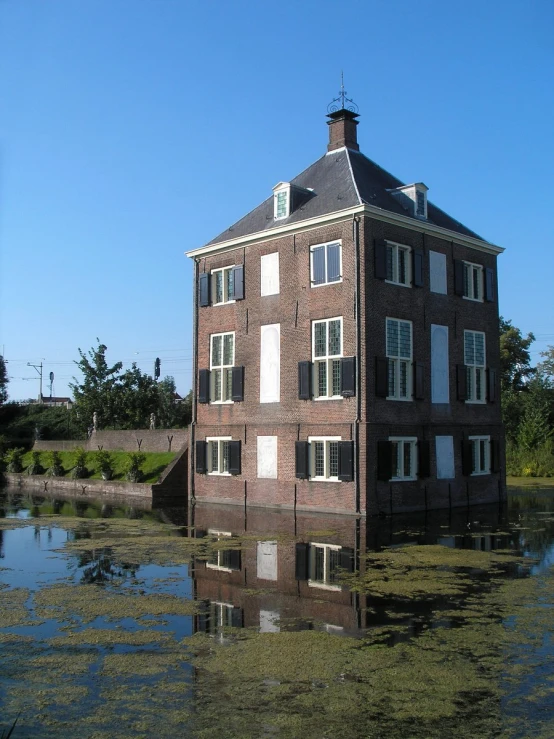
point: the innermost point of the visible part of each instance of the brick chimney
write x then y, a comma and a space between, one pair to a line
342, 130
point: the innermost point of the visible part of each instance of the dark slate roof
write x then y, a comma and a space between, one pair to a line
339, 180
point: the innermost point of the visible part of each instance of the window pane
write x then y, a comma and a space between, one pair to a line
281, 204
397, 472
218, 287
318, 265
319, 458
392, 338
405, 340
319, 567
228, 384
402, 266
322, 378
216, 351
225, 455
474, 455
320, 339
228, 353
215, 448
478, 384
216, 374
333, 262
469, 348
403, 379
476, 276
466, 281
469, 381
391, 364
407, 459
229, 279
333, 555
334, 338
333, 459
479, 343
482, 455
336, 376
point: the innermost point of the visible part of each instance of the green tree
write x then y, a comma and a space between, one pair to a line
96, 392
136, 398
515, 360
3, 381
546, 367
172, 413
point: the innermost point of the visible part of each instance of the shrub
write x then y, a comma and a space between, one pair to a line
105, 463
55, 468
80, 463
133, 463
537, 462
35, 468
14, 459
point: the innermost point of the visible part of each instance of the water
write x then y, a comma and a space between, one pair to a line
119, 621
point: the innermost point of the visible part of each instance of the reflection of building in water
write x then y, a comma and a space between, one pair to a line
353, 327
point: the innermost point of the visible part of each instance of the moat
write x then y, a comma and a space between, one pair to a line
123, 621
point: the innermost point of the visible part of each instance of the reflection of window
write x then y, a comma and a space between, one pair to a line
404, 458
480, 455
222, 360
324, 566
474, 360
221, 558
399, 355
219, 455
325, 263
326, 354
473, 281
222, 285
324, 462
215, 616
398, 264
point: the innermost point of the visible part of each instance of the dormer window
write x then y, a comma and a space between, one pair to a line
412, 198
281, 200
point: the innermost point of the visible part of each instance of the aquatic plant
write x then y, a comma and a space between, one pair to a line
35, 468
80, 462
6, 733
55, 468
133, 464
14, 459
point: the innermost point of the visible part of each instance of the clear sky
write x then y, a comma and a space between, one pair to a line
134, 130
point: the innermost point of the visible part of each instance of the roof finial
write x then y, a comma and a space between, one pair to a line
346, 103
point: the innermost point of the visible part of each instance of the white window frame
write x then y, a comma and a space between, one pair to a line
396, 249
328, 360
397, 363
219, 552
326, 441
473, 275
476, 373
224, 369
221, 472
324, 584
336, 242
225, 288
410, 474
480, 455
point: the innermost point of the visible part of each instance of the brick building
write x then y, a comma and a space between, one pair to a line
346, 348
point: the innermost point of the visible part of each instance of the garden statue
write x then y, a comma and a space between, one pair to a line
152, 421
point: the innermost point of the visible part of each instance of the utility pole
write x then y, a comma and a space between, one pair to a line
39, 371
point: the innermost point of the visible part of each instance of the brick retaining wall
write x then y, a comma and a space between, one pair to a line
159, 440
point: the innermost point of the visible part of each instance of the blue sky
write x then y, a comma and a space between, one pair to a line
134, 130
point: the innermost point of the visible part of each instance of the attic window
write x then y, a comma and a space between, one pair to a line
420, 204
412, 198
281, 201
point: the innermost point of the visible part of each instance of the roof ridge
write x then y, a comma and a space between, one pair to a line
352, 175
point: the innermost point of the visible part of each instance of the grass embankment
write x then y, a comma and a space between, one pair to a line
530, 482
152, 467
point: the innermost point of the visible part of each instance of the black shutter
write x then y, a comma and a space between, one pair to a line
424, 458
204, 386
384, 460
346, 461
467, 457
238, 282
234, 457
461, 381
417, 265
495, 455
458, 277
304, 380
346, 559
204, 281
381, 377
236, 618
201, 450
302, 568
237, 384
302, 453
231, 559
491, 385
489, 284
381, 259
199, 533
348, 377
419, 384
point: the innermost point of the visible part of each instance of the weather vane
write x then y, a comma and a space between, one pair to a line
346, 103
